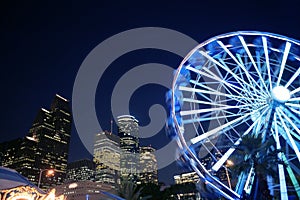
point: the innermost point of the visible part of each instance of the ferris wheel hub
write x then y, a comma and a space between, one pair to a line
280, 94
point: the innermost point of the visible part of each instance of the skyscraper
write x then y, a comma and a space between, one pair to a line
107, 158
148, 165
45, 147
19, 154
80, 170
189, 182
188, 177
128, 130
51, 130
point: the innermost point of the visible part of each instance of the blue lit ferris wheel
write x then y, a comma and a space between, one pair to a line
235, 86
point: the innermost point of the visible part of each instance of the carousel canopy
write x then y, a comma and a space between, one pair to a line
10, 178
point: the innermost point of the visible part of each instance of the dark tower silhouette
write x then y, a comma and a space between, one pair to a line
51, 130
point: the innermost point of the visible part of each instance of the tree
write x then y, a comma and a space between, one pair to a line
151, 191
253, 152
128, 189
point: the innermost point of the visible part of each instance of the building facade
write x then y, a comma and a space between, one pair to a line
52, 130
128, 131
107, 158
189, 177
80, 170
84, 190
187, 181
148, 165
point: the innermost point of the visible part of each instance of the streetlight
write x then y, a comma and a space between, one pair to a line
229, 163
50, 172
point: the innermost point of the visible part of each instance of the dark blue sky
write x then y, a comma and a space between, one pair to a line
43, 43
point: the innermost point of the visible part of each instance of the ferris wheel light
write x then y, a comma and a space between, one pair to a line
281, 94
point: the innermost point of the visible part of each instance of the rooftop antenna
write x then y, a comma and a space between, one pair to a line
111, 125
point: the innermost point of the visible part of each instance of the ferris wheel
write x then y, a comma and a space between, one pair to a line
231, 88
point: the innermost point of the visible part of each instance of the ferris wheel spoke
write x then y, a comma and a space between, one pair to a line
215, 92
295, 111
287, 166
222, 80
207, 88
201, 94
292, 115
249, 180
252, 60
296, 75
276, 136
226, 85
224, 126
242, 82
204, 110
241, 72
231, 86
203, 119
214, 76
293, 105
291, 175
295, 91
257, 53
282, 181
283, 61
190, 100
294, 99
287, 133
217, 69
292, 124
282, 131
265, 44
228, 153
242, 66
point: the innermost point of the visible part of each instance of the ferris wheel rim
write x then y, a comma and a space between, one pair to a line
264, 34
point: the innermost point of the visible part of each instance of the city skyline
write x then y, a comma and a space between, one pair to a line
53, 122
41, 156
44, 44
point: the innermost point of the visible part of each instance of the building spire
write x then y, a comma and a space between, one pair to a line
111, 125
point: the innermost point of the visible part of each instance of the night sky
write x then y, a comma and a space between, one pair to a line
43, 43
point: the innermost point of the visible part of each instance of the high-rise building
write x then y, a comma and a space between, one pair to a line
107, 158
80, 170
188, 177
52, 130
128, 130
45, 147
188, 181
19, 154
148, 165
9, 152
